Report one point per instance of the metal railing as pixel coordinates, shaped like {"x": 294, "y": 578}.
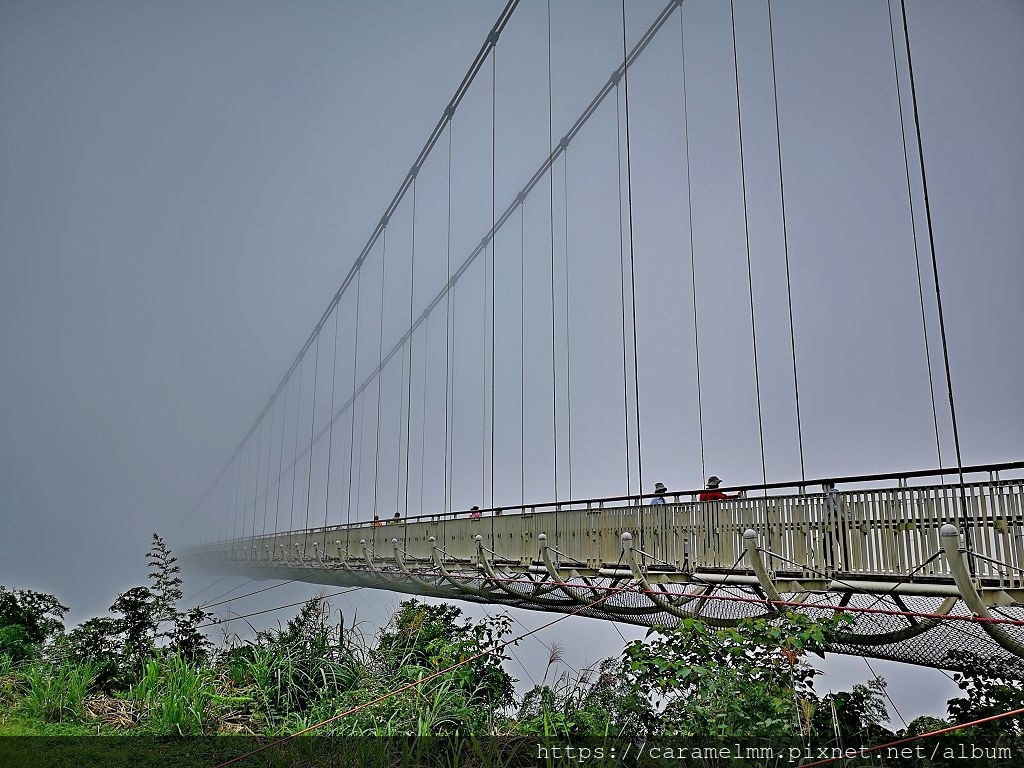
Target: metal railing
{"x": 890, "y": 530}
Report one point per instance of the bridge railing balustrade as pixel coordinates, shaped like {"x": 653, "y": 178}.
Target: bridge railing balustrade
{"x": 890, "y": 530}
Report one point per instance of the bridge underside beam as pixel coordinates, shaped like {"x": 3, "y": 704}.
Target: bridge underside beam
{"x": 639, "y": 592}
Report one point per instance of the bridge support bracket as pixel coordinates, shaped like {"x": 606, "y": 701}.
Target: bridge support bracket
{"x": 405, "y": 569}
{"x": 460, "y": 586}
{"x": 760, "y": 569}
{"x": 662, "y": 603}
{"x": 949, "y": 534}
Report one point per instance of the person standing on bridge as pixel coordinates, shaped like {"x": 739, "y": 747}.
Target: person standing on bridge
{"x": 474, "y": 513}
{"x": 661, "y": 490}
{"x": 396, "y": 520}
{"x": 834, "y": 506}
{"x": 711, "y": 493}
{"x": 835, "y": 527}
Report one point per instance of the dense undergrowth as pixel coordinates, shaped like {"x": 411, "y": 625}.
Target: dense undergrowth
{"x": 429, "y": 678}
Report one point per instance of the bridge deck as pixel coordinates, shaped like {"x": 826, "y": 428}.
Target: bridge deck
{"x": 886, "y": 552}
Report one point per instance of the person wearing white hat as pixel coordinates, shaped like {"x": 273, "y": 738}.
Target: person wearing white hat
{"x": 711, "y": 493}
{"x": 661, "y": 490}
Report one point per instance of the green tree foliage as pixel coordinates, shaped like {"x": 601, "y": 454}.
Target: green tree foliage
{"x": 186, "y": 639}
{"x": 421, "y": 641}
{"x": 853, "y": 718}
{"x": 28, "y": 620}
{"x": 988, "y": 691}
{"x": 427, "y": 638}
{"x": 96, "y": 642}
{"x": 747, "y": 682}
{"x": 165, "y": 578}
{"x": 137, "y": 624}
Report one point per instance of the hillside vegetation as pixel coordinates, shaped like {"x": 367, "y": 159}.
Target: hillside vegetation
{"x": 431, "y": 688}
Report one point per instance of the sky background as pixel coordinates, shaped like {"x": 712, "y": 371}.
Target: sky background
{"x": 183, "y": 187}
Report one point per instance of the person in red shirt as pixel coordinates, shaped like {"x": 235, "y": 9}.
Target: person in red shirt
{"x": 712, "y": 493}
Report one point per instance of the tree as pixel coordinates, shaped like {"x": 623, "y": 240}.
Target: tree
{"x": 164, "y": 573}
{"x": 137, "y": 624}
{"x": 186, "y": 639}
{"x": 28, "y": 620}
{"x": 431, "y": 637}
{"x": 988, "y": 690}
{"x": 96, "y": 642}
{"x": 747, "y": 682}
{"x": 853, "y": 718}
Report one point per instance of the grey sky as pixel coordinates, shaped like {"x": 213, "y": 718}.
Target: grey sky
{"x": 183, "y": 186}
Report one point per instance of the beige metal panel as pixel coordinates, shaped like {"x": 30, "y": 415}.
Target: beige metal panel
{"x": 884, "y": 531}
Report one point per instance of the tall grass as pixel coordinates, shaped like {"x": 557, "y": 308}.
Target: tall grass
{"x": 291, "y": 676}
{"x": 55, "y": 692}
{"x": 179, "y": 696}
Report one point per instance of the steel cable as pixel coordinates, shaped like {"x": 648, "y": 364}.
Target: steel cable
{"x": 689, "y": 223}
{"x": 965, "y": 525}
{"x": 785, "y": 249}
{"x": 746, "y": 236}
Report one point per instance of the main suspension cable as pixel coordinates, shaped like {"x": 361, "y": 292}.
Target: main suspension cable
{"x": 449, "y": 112}
{"x": 538, "y": 176}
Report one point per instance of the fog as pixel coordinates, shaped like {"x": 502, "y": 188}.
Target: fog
{"x": 183, "y": 187}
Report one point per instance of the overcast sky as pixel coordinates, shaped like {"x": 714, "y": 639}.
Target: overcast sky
{"x": 184, "y": 185}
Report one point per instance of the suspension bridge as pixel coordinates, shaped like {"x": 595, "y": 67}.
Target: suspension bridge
{"x": 424, "y": 438}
